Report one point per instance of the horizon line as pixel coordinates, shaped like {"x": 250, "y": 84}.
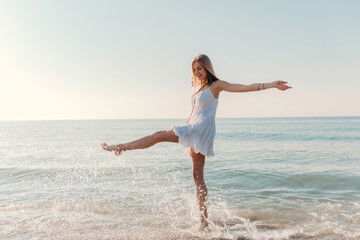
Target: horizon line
{"x": 96, "y": 119}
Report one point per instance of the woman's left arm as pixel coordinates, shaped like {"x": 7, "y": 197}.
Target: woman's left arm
{"x": 235, "y": 87}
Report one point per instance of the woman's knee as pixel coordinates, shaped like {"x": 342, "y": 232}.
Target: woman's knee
{"x": 166, "y": 136}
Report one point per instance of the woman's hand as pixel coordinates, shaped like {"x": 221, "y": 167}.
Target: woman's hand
{"x": 281, "y": 85}
{"x": 112, "y": 148}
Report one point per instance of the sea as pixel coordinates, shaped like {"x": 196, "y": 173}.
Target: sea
{"x": 270, "y": 178}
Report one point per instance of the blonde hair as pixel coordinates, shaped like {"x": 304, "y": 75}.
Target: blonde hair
{"x": 206, "y": 63}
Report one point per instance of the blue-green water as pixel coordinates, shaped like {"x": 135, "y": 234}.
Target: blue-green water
{"x": 270, "y": 178}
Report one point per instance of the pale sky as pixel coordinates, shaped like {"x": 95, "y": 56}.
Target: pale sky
{"x": 131, "y": 59}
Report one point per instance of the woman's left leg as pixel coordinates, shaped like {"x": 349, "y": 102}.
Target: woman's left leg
{"x": 198, "y": 161}
{"x": 144, "y": 142}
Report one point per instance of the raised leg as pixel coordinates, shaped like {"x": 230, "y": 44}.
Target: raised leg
{"x": 198, "y": 163}
{"x": 144, "y": 142}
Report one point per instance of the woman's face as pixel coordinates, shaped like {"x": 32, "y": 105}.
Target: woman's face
{"x": 199, "y": 71}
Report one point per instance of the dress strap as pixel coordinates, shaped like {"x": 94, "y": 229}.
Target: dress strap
{"x": 212, "y": 83}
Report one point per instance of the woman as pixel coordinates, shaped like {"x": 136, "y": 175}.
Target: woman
{"x": 198, "y": 134}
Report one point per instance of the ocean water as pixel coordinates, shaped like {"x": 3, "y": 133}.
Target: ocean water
{"x": 270, "y": 178}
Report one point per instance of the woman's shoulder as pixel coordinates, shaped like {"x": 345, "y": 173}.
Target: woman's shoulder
{"x": 221, "y": 84}
{"x": 217, "y": 84}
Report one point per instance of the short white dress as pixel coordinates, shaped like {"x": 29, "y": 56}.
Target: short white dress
{"x": 200, "y": 131}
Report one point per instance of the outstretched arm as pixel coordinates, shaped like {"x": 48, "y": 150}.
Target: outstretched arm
{"x": 235, "y": 87}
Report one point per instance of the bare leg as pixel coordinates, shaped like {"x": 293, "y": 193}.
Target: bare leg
{"x": 198, "y": 161}
{"x": 144, "y": 142}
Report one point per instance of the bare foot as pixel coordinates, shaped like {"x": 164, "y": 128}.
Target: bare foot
{"x": 204, "y": 226}
{"x": 112, "y": 148}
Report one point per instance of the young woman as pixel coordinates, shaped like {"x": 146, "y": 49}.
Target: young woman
{"x": 198, "y": 134}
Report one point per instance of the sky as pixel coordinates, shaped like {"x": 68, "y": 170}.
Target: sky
{"x": 88, "y": 59}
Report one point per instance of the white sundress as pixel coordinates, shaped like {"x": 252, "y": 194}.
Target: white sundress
{"x": 199, "y": 133}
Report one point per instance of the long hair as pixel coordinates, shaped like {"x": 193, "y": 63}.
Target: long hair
{"x": 207, "y": 65}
